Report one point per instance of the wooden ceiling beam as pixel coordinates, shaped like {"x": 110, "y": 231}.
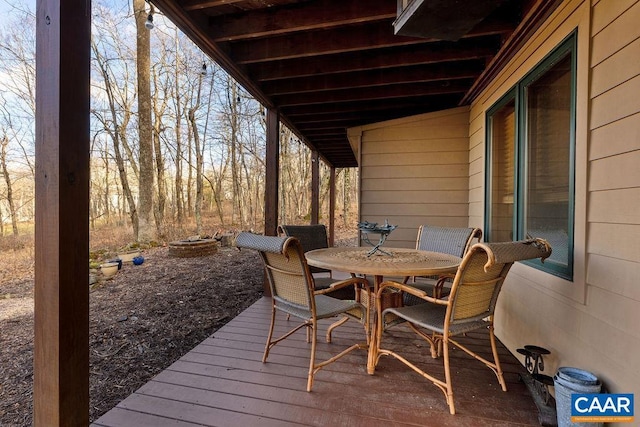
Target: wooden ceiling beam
{"x": 334, "y": 118}
{"x": 325, "y": 132}
{"x": 355, "y": 118}
{"x": 321, "y": 14}
{"x": 329, "y": 150}
{"x": 330, "y": 141}
{"x": 207, "y": 4}
{"x": 306, "y": 124}
{"x": 377, "y": 77}
{"x": 376, "y": 93}
{"x": 319, "y": 42}
{"x": 366, "y": 107}
{"x": 343, "y": 39}
{"x": 426, "y": 53}
{"x": 338, "y": 151}
{"x": 345, "y": 117}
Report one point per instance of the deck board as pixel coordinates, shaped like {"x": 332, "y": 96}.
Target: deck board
{"x": 223, "y": 382}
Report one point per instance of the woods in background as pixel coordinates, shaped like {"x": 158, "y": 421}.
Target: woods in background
{"x": 173, "y": 137}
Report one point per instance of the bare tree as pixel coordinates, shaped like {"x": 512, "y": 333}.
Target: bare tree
{"x": 115, "y": 120}
{"x": 159, "y": 109}
{"x": 232, "y": 122}
{"x": 199, "y": 155}
{"x": 7, "y": 179}
{"x": 179, "y": 194}
{"x": 17, "y": 110}
{"x": 146, "y": 226}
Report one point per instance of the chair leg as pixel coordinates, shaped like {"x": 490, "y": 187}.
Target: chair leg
{"x": 496, "y": 359}
{"x": 447, "y": 376}
{"x": 312, "y": 362}
{"x": 270, "y": 335}
{"x": 335, "y": 325}
{"x": 435, "y": 340}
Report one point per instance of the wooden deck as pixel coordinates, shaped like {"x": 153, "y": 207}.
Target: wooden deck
{"x": 222, "y": 382}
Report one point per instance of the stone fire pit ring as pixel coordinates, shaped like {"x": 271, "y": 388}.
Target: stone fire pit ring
{"x": 193, "y": 248}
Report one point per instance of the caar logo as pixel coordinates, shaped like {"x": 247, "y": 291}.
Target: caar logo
{"x": 602, "y": 408}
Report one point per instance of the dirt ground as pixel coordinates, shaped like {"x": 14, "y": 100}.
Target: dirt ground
{"x": 141, "y": 321}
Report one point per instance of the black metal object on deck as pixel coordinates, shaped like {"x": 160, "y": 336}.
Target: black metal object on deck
{"x": 538, "y": 384}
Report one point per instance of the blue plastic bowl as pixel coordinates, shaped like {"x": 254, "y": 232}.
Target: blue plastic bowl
{"x": 138, "y": 260}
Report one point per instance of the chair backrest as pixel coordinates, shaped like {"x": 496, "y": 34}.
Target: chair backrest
{"x": 449, "y": 240}
{"x": 310, "y": 236}
{"x": 287, "y": 271}
{"x": 479, "y": 278}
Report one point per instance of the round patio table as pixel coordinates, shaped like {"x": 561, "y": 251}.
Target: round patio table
{"x": 397, "y": 262}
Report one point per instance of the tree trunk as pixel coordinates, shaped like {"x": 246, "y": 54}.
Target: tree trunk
{"x": 189, "y": 175}
{"x": 179, "y": 194}
{"x": 232, "y": 95}
{"x": 199, "y": 161}
{"x": 7, "y": 180}
{"x": 346, "y": 192}
{"x": 107, "y": 200}
{"x": 159, "y": 107}
{"x": 216, "y": 185}
{"x": 146, "y": 227}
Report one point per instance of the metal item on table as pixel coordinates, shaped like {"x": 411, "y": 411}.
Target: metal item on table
{"x": 373, "y": 228}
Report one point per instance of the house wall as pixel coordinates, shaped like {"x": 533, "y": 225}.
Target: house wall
{"x": 414, "y": 171}
{"x": 592, "y": 321}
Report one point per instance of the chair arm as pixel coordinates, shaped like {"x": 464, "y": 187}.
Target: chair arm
{"x": 410, "y": 290}
{"x": 437, "y": 288}
{"x": 357, "y": 282}
{"x": 347, "y": 282}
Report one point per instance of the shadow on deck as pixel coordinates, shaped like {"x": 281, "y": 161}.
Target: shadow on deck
{"x": 222, "y": 382}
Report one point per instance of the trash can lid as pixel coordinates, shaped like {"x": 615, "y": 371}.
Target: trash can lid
{"x": 576, "y": 375}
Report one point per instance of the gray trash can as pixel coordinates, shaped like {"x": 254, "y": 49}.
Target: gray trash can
{"x": 568, "y": 381}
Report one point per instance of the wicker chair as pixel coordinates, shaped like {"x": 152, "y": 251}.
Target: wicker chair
{"x": 311, "y": 237}
{"x": 470, "y": 306}
{"x": 449, "y": 240}
{"x": 292, "y": 290}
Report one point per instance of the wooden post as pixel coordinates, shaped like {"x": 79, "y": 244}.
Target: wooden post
{"x": 272, "y": 178}
{"x": 272, "y": 173}
{"x": 332, "y": 206}
{"x": 315, "y": 187}
{"x": 61, "y": 342}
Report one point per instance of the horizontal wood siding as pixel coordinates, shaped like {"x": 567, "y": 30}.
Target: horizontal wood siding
{"x": 416, "y": 171}
{"x": 592, "y": 321}
{"x": 614, "y": 188}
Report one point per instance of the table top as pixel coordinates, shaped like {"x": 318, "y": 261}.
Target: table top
{"x": 402, "y": 262}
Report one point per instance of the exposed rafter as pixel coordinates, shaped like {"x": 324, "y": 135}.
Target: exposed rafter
{"x": 319, "y": 15}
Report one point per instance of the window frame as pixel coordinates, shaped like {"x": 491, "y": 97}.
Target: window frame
{"x": 518, "y": 94}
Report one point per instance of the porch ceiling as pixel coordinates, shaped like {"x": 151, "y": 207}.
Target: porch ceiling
{"x": 328, "y": 65}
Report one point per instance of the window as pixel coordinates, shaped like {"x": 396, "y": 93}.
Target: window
{"x": 530, "y": 160}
